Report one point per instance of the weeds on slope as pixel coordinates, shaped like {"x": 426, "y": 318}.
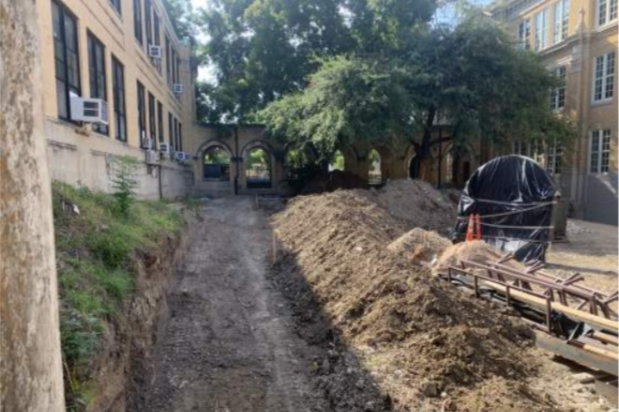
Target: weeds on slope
{"x": 95, "y": 242}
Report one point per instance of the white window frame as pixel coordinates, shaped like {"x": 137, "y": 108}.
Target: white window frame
{"x": 608, "y": 15}
{"x": 554, "y": 159}
{"x": 607, "y": 77}
{"x": 541, "y": 30}
{"x": 557, "y": 94}
{"x": 561, "y": 22}
{"x": 524, "y": 34}
{"x": 600, "y": 139}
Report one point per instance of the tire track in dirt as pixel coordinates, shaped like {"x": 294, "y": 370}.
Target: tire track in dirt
{"x": 229, "y": 343}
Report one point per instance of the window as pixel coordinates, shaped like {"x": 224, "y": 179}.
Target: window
{"x": 148, "y": 15}
{"x": 176, "y": 145}
{"x": 142, "y": 116}
{"x": 606, "y": 11}
{"x": 557, "y": 95}
{"x": 524, "y": 34}
{"x": 521, "y": 148}
{"x": 541, "y": 30}
{"x": 152, "y": 121}
{"x": 157, "y": 39}
{"x": 171, "y": 131}
{"x": 555, "y": 155}
{"x": 98, "y": 81}
{"x": 160, "y": 122}
{"x": 116, "y": 5}
{"x": 599, "y": 151}
{"x": 604, "y": 77}
{"x": 180, "y": 136}
{"x": 561, "y": 20}
{"x": 168, "y": 66}
{"x": 137, "y": 21}
{"x": 66, "y": 58}
{"x": 120, "y": 116}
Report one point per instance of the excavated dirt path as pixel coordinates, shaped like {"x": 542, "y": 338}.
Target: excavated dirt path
{"x": 229, "y": 344}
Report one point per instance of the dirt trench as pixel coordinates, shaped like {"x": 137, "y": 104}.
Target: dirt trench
{"x": 229, "y": 344}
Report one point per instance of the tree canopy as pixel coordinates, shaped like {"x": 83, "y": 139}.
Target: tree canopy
{"x": 334, "y": 72}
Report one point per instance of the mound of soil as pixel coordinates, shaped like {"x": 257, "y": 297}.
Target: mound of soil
{"x": 419, "y": 204}
{"x": 329, "y": 182}
{"x": 417, "y": 338}
{"x": 419, "y": 245}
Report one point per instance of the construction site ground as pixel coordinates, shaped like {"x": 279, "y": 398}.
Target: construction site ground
{"x": 324, "y": 317}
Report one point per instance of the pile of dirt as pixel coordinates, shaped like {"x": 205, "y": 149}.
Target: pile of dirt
{"x": 419, "y": 339}
{"x": 329, "y": 182}
{"x": 475, "y": 251}
{"x": 419, "y": 204}
{"x": 419, "y": 246}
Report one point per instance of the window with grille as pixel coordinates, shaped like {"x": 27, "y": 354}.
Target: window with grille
{"x": 98, "y": 80}
{"x": 606, "y": 12}
{"x": 604, "y": 77}
{"x": 599, "y": 151}
{"x": 118, "y": 83}
{"x": 66, "y": 56}
{"x": 524, "y": 34}
{"x": 541, "y": 30}
{"x": 557, "y": 94}
{"x": 561, "y": 20}
{"x": 554, "y": 161}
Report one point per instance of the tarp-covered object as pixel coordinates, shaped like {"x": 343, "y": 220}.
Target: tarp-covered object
{"x": 514, "y": 197}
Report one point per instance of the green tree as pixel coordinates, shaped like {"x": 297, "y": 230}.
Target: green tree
{"x": 470, "y": 78}
{"x": 264, "y": 49}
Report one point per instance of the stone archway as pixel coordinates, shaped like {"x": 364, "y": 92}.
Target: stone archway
{"x": 258, "y": 165}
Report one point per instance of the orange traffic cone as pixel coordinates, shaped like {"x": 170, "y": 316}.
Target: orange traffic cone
{"x": 470, "y": 235}
{"x": 478, "y": 218}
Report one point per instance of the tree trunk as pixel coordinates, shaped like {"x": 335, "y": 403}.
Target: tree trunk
{"x": 30, "y": 357}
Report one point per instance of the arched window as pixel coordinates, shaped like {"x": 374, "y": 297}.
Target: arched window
{"x": 375, "y": 176}
{"x": 216, "y": 164}
{"x": 338, "y": 161}
{"x": 258, "y": 169}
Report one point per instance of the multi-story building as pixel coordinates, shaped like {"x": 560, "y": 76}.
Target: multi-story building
{"x": 577, "y": 40}
{"x": 126, "y": 54}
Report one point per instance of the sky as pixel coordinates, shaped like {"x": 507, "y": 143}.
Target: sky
{"x": 445, "y": 14}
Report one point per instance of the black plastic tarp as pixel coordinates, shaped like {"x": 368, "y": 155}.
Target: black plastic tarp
{"x": 514, "y": 197}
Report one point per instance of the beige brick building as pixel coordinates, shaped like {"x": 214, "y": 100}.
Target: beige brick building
{"x": 578, "y": 41}
{"x": 100, "y": 49}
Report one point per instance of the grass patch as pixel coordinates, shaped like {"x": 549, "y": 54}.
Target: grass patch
{"x": 95, "y": 242}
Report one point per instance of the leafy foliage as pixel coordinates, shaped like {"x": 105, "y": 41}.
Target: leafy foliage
{"x": 125, "y": 182}
{"x": 469, "y": 78}
{"x": 94, "y": 245}
{"x": 264, "y": 49}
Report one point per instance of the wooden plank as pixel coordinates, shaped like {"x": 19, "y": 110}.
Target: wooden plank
{"x": 594, "y": 321}
{"x": 561, "y": 348}
{"x": 605, "y": 337}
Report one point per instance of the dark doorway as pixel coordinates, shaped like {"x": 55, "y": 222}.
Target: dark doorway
{"x": 413, "y": 168}
{"x": 216, "y": 164}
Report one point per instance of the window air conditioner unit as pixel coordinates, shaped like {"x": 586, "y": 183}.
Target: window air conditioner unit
{"x": 148, "y": 143}
{"x": 181, "y": 156}
{"x": 177, "y": 88}
{"x": 164, "y": 148}
{"x": 88, "y": 110}
{"x": 154, "y": 51}
{"x": 152, "y": 157}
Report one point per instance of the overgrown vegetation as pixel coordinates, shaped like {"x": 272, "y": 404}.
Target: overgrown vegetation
{"x": 95, "y": 241}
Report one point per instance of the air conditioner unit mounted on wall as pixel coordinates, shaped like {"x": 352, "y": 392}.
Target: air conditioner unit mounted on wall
{"x": 88, "y": 110}
{"x": 154, "y": 51}
{"x": 164, "y": 148}
{"x": 152, "y": 157}
{"x": 181, "y": 156}
{"x": 177, "y": 88}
